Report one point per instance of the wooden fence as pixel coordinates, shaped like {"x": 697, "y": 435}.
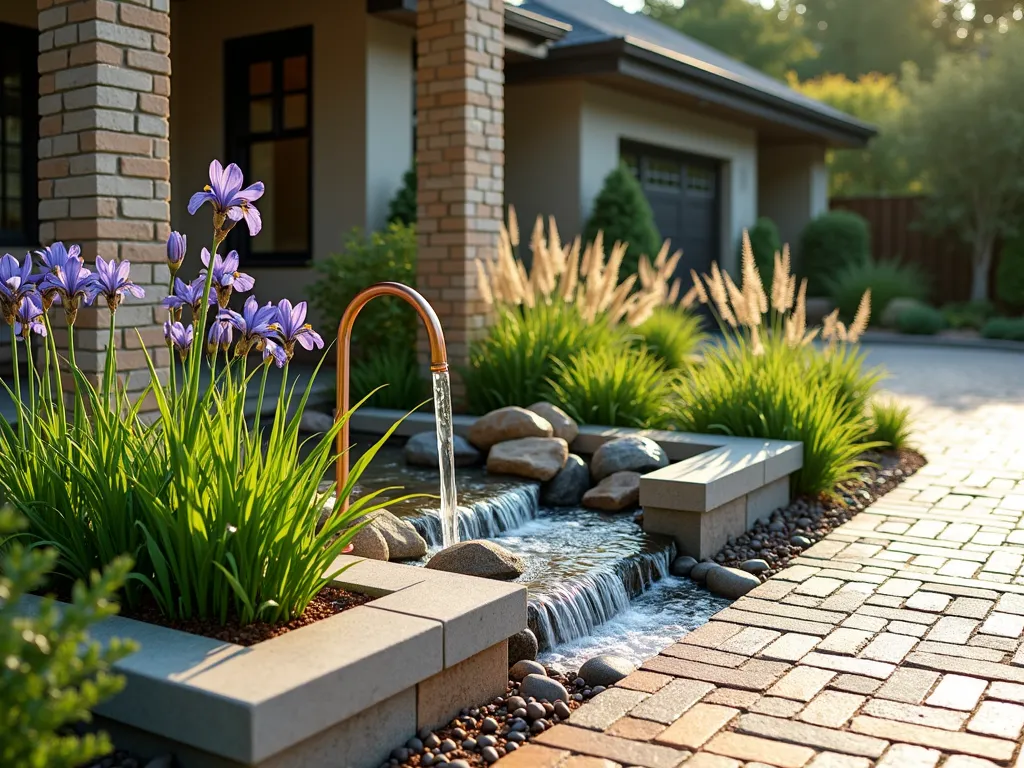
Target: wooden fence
{"x": 946, "y": 260}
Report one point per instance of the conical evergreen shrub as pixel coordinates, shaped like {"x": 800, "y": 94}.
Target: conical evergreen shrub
{"x": 622, "y": 212}
{"x": 402, "y": 208}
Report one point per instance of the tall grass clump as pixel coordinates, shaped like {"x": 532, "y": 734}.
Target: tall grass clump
{"x": 570, "y": 299}
{"x": 891, "y": 423}
{"x": 672, "y": 335}
{"x": 767, "y": 378}
{"x": 219, "y": 514}
{"x": 389, "y": 379}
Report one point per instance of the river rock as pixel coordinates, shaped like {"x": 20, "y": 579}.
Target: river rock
{"x": 522, "y": 646}
{"x": 682, "y": 566}
{"x": 731, "y": 582}
{"x": 543, "y": 687}
{"x": 538, "y": 458}
{"x": 316, "y": 421}
{"x": 509, "y": 423}
{"x": 614, "y": 493}
{"x": 756, "y": 565}
{"x": 421, "y": 451}
{"x": 371, "y": 544}
{"x": 566, "y": 489}
{"x": 699, "y": 573}
{"x": 525, "y": 667}
{"x": 478, "y": 558}
{"x": 404, "y": 541}
{"x": 627, "y": 454}
{"x": 605, "y": 670}
{"x": 562, "y": 423}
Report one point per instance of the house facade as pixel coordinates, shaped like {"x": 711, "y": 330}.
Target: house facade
{"x": 112, "y": 109}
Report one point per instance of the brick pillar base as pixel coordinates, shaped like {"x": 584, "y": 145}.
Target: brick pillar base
{"x": 460, "y": 156}
{"x": 104, "y": 169}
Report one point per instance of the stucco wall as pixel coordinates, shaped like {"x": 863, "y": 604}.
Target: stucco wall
{"x": 610, "y": 116}
{"x": 542, "y": 154}
{"x": 20, "y": 12}
{"x": 792, "y": 187}
{"x": 362, "y": 116}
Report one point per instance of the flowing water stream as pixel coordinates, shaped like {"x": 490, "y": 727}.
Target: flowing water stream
{"x": 446, "y": 457}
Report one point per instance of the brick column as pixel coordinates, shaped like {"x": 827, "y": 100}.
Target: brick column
{"x": 460, "y": 155}
{"x": 104, "y": 169}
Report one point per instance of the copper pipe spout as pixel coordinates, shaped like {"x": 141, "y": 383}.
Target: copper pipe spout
{"x": 438, "y": 362}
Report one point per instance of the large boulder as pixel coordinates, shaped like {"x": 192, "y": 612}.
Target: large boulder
{"x": 562, "y": 423}
{"x": 566, "y": 489}
{"x": 700, "y": 571}
{"x": 682, "y": 566}
{"x": 404, "y": 541}
{"x": 478, "y": 558}
{"x": 614, "y": 493}
{"x": 731, "y": 582}
{"x": 627, "y": 454}
{"x": 537, "y": 458}
{"x": 543, "y": 688}
{"x": 421, "y": 451}
{"x": 605, "y": 670}
{"x": 508, "y": 423}
{"x": 371, "y": 544}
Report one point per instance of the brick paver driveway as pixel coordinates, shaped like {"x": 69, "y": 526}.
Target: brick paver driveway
{"x": 893, "y": 642}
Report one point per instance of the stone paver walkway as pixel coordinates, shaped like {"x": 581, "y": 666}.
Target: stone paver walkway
{"x": 894, "y": 642}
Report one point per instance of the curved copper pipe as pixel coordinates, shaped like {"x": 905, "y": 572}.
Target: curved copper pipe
{"x": 438, "y": 360}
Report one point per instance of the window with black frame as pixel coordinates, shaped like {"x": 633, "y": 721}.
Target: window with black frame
{"x": 269, "y": 100}
{"x": 18, "y": 117}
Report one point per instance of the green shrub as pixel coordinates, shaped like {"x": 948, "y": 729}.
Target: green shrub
{"x": 921, "y": 320}
{"x": 614, "y": 387}
{"x": 830, "y": 243}
{"x": 402, "y": 208}
{"x": 622, "y": 213}
{"x": 1007, "y": 328}
{"x": 364, "y": 260}
{"x": 672, "y": 335}
{"x": 887, "y": 280}
{"x": 1010, "y": 273}
{"x": 891, "y": 423}
{"x": 784, "y": 393}
{"x": 968, "y": 314}
{"x": 765, "y": 242}
{"x": 53, "y": 674}
{"x": 512, "y": 363}
{"x": 395, "y": 374}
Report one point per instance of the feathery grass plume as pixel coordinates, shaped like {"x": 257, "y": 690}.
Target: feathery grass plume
{"x": 698, "y": 287}
{"x": 753, "y": 287}
{"x": 860, "y": 320}
{"x": 783, "y": 283}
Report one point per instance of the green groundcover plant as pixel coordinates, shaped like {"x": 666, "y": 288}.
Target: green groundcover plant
{"x": 768, "y": 379}
{"x": 219, "y": 515}
{"x": 891, "y": 423}
{"x": 887, "y": 280}
{"x": 52, "y": 673}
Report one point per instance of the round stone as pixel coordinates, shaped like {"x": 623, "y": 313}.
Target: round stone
{"x": 448, "y": 746}
{"x": 478, "y": 558}
{"x": 562, "y": 710}
{"x": 800, "y": 541}
{"x": 469, "y": 744}
{"x": 432, "y": 741}
{"x": 416, "y": 745}
{"x": 509, "y": 423}
{"x": 543, "y": 687}
{"x": 511, "y": 746}
{"x": 682, "y": 566}
{"x": 700, "y": 571}
{"x": 486, "y": 740}
{"x": 401, "y": 753}
{"x": 522, "y": 646}
{"x": 605, "y": 670}
{"x": 627, "y": 454}
{"x": 490, "y": 755}
{"x": 754, "y": 566}
{"x": 458, "y": 764}
{"x": 566, "y": 489}
{"x": 421, "y": 451}
{"x": 523, "y": 668}
{"x": 458, "y": 733}
{"x": 516, "y": 737}
{"x": 535, "y": 711}
{"x": 514, "y": 703}
{"x": 370, "y": 544}
{"x": 731, "y": 583}
{"x": 490, "y": 725}
{"x": 562, "y": 423}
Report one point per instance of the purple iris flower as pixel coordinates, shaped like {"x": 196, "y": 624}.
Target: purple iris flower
{"x": 180, "y": 337}
{"x": 294, "y": 328}
{"x": 30, "y": 311}
{"x": 256, "y": 324}
{"x": 272, "y": 351}
{"x": 15, "y": 284}
{"x": 220, "y": 336}
{"x": 226, "y": 277}
{"x": 177, "y": 244}
{"x": 75, "y": 285}
{"x": 112, "y": 282}
{"x": 229, "y": 200}
{"x": 56, "y": 255}
{"x": 189, "y": 295}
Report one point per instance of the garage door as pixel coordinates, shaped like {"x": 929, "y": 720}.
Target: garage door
{"x": 683, "y": 191}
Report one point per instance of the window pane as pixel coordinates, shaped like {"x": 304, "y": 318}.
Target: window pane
{"x": 664, "y": 174}
{"x": 295, "y": 110}
{"x": 261, "y": 115}
{"x": 295, "y": 73}
{"x": 12, "y": 128}
{"x": 700, "y": 182}
{"x": 12, "y": 158}
{"x": 12, "y": 215}
{"x": 283, "y": 167}
{"x": 13, "y": 184}
{"x": 261, "y": 78}
{"x": 632, "y": 163}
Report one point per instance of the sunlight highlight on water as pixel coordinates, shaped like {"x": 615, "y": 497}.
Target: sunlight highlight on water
{"x": 446, "y": 458}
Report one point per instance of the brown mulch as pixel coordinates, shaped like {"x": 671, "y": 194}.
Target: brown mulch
{"x": 330, "y": 601}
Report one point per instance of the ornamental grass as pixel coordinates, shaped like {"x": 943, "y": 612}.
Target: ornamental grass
{"x": 220, "y": 515}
